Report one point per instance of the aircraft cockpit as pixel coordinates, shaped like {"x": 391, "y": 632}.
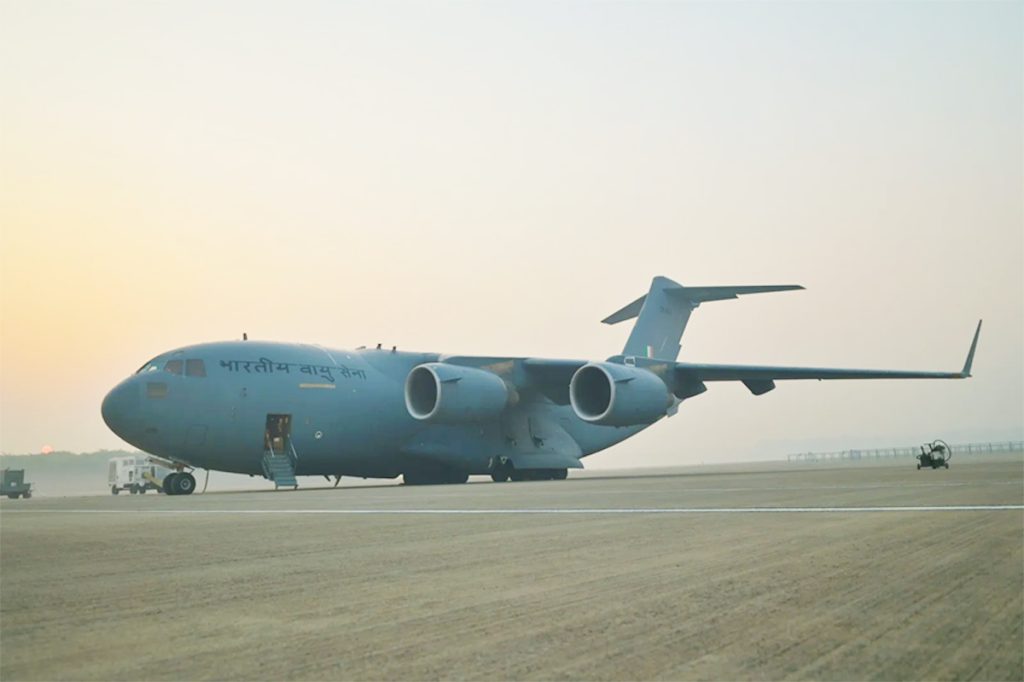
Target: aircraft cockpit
{"x": 150, "y": 366}
{"x": 190, "y": 367}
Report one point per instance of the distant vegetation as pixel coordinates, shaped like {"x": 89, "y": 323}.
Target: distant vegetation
{"x": 65, "y": 473}
{"x": 63, "y": 461}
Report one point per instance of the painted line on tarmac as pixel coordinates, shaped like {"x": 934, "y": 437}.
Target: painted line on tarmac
{"x": 483, "y": 512}
{"x": 803, "y": 488}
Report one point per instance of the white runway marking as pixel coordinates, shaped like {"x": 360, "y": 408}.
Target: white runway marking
{"x": 485, "y": 512}
{"x": 880, "y": 486}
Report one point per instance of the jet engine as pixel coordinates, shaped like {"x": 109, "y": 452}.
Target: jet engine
{"x": 618, "y": 395}
{"x": 451, "y": 394}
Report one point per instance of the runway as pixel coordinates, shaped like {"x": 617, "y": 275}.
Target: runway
{"x": 515, "y": 512}
{"x": 769, "y": 571}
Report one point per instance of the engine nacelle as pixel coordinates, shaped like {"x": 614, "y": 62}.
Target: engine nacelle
{"x": 450, "y": 394}
{"x": 618, "y": 395}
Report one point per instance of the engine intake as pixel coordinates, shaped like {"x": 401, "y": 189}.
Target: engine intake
{"x": 451, "y": 394}
{"x": 617, "y": 395}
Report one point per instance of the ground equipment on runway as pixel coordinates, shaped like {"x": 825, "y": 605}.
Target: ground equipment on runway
{"x": 935, "y": 455}
{"x": 13, "y": 485}
{"x": 135, "y": 474}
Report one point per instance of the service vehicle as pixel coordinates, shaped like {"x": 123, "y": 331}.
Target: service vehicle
{"x": 135, "y": 474}
{"x": 13, "y": 485}
{"x": 935, "y": 455}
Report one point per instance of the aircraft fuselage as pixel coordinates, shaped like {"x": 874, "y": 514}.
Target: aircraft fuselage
{"x": 207, "y": 406}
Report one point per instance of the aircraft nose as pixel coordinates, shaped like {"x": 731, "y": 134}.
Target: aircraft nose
{"x": 120, "y": 406}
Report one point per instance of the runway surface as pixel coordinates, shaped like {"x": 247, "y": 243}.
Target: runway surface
{"x": 777, "y": 572}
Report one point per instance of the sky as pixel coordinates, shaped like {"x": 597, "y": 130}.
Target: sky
{"x": 495, "y": 178}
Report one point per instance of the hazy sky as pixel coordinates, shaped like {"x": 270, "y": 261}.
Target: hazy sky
{"x": 495, "y": 178}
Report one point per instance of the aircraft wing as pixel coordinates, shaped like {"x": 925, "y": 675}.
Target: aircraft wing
{"x": 761, "y": 379}
{"x": 551, "y": 377}
{"x": 548, "y": 376}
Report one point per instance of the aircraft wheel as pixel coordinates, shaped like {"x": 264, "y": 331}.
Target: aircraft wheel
{"x": 559, "y": 474}
{"x": 436, "y": 477}
{"x": 499, "y": 476}
{"x": 142, "y": 491}
{"x": 113, "y": 490}
{"x": 186, "y": 484}
{"x": 27, "y": 495}
{"x": 171, "y": 484}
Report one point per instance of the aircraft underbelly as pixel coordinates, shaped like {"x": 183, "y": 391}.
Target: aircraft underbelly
{"x": 532, "y": 437}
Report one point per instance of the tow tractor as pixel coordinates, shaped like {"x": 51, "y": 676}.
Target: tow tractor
{"x": 935, "y": 455}
{"x": 13, "y": 485}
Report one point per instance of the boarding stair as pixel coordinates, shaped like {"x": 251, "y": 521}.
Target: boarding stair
{"x": 279, "y": 467}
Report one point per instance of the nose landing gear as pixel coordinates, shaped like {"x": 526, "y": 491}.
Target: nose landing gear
{"x": 179, "y": 483}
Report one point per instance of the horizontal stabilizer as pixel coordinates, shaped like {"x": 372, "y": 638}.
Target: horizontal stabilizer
{"x": 663, "y": 312}
{"x": 695, "y": 296}
{"x": 626, "y": 313}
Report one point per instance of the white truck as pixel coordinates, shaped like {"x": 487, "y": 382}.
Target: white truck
{"x": 136, "y": 474}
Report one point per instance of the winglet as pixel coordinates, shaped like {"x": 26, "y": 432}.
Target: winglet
{"x": 970, "y": 354}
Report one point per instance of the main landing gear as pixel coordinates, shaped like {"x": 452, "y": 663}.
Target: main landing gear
{"x": 434, "y": 477}
{"x": 179, "y": 483}
{"x": 503, "y": 470}
{"x": 529, "y": 475}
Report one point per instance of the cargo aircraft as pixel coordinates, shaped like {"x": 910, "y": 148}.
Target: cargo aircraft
{"x": 282, "y": 409}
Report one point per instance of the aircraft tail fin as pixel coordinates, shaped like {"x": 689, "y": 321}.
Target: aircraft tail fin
{"x": 663, "y": 312}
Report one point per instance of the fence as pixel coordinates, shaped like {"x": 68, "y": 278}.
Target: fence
{"x": 914, "y": 451}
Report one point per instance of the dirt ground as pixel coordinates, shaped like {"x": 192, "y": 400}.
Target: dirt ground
{"x": 267, "y": 585}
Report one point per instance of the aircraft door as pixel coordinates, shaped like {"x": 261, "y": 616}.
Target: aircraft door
{"x": 277, "y": 435}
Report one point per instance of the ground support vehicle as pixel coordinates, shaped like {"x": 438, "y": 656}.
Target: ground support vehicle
{"x": 935, "y": 455}
{"x": 135, "y": 474}
{"x": 13, "y": 485}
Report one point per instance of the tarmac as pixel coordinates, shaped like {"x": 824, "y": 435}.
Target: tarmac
{"x": 871, "y": 570}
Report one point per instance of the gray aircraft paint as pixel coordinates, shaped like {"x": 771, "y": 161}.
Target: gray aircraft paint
{"x": 356, "y": 425}
{"x": 349, "y": 414}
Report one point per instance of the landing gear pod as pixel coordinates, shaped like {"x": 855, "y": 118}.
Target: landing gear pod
{"x": 935, "y": 455}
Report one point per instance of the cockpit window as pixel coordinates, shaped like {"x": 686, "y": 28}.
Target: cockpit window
{"x": 173, "y": 366}
{"x": 195, "y": 368}
{"x": 150, "y": 366}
